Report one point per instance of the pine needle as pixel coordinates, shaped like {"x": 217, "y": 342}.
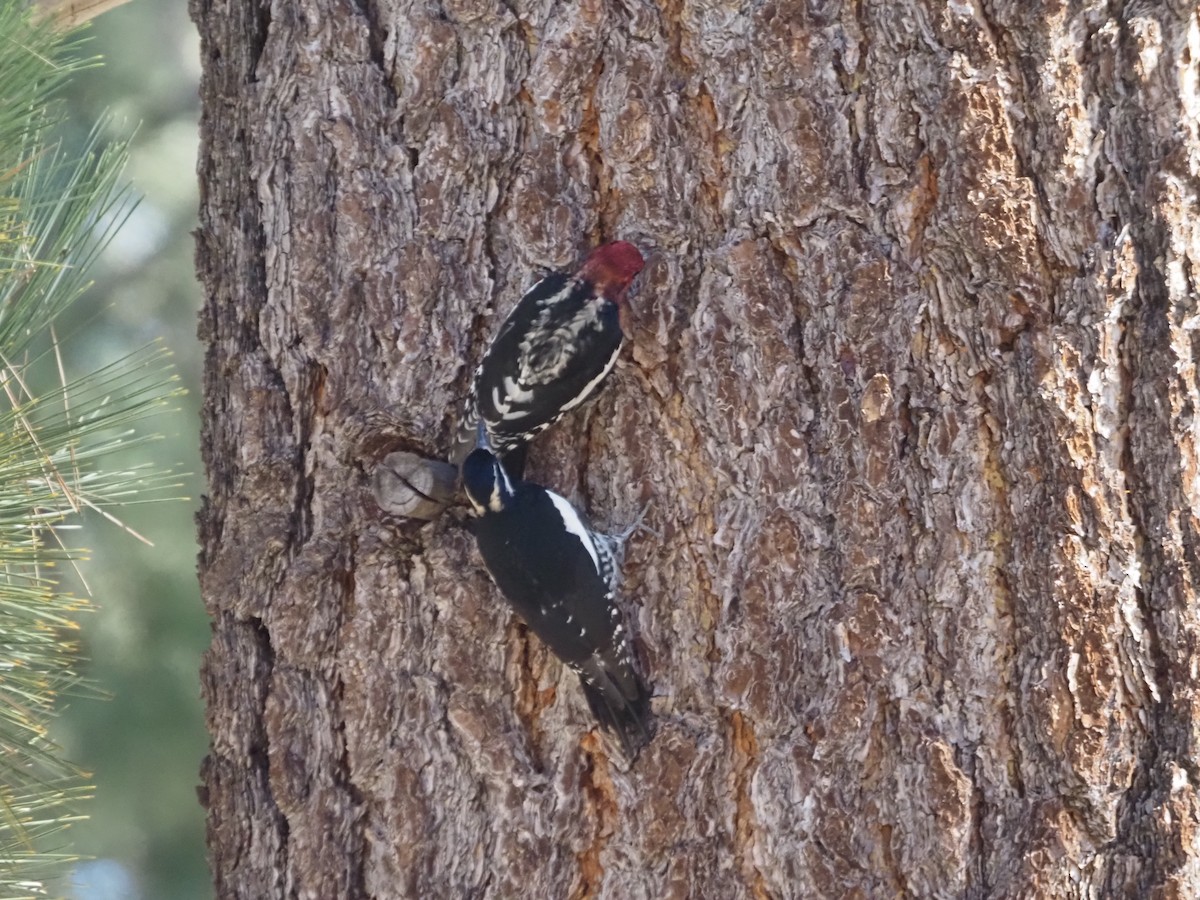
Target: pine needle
{"x": 58, "y": 436}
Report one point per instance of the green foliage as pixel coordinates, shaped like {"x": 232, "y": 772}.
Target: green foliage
{"x": 57, "y": 435}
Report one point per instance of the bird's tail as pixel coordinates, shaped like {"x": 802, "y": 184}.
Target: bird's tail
{"x": 620, "y": 702}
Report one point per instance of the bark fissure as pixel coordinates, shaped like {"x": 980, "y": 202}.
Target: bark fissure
{"x": 1145, "y": 854}
{"x": 377, "y": 30}
{"x": 589, "y": 140}
{"x": 529, "y": 702}
{"x": 745, "y": 825}
{"x": 602, "y": 811}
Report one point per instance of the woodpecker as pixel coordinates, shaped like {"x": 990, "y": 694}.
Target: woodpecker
{"x": 561, "y": 578}
{"x": 553, "y": 351}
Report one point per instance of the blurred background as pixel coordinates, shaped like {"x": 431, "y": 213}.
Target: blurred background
{"x": 142, "y": 737}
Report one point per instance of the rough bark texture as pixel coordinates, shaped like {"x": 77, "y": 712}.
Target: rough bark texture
{"x": 912, "y": 389}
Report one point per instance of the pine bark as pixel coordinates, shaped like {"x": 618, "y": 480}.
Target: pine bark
{"x": 911, "y": 388}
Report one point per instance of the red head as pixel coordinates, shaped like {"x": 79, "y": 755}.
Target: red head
{"x": 611, "y": 267}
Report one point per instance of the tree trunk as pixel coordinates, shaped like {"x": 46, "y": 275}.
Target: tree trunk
{"x": 912, "y": 392}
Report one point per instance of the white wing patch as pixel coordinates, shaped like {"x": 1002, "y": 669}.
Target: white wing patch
{"x": 574, "y": 525}
{"x": 545, "y": 360}
{"x": 514, "y": 392}
{"x": 591, "y": 385}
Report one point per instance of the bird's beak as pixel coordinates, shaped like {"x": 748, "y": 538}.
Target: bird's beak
{"x": 481, "y": 439}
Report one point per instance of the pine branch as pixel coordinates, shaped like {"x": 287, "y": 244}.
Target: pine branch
{"x": 58, "y": 435}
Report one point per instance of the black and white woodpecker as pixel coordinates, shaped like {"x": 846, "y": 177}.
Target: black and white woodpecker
{"x": 553, "y": 352}
{"x": 561, "y": 578}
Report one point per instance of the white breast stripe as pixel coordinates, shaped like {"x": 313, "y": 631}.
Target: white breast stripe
{"x": 508, "y": 488}
{"x": 574, "y": 524}
{"x": 498, "y": 402}
{"x": 591, "y": 385}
